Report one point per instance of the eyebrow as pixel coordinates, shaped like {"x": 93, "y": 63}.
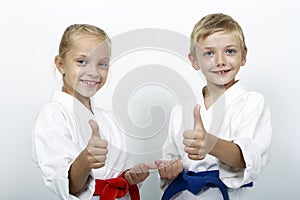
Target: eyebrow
{"x": 205, "y": 48}
{"x": 87, "y": 56}
{"x": 78, "y": 55}
{"x": 232, "y": 45}
{"x": 211, "y": 48}
{"x": 104, "y": 58}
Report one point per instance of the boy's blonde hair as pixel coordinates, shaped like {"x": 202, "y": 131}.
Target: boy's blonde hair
{"x": 77, "y": 31}
{"x": 213, "y": 23}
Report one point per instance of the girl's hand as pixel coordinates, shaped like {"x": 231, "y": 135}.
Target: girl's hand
{"x": 138, "y": 173}
{"x": 96, "y": 148}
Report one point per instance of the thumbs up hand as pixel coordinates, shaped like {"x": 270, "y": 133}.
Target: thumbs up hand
{"x": 194, "y": 139}
{"x": 96, "y": 148}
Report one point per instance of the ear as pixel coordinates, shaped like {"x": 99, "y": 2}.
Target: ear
{"x": 244, "y": 57}
{"x": 194, "y": 62}
{"x": 59, "y": 64}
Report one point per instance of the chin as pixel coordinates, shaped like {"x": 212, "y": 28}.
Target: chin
{"x": 87, "y": 94}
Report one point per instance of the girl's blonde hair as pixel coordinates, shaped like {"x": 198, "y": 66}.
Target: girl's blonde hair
{"x": 77, "y": 31}
{"x": 213, "y": 23}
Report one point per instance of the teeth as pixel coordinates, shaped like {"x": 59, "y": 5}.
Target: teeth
{"x": 222, "y": 72}
{"x": 90, "y": 82}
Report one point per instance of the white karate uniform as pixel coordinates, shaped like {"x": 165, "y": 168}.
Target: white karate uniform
{"x": 62, "y": 131}
{"x": 238, "y": 116}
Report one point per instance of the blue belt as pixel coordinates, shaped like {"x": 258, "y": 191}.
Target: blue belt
{"x": 194, "y": 182}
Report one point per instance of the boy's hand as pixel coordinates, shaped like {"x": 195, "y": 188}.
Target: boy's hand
{"x": 96, "y": 148}
{"x": 194, "y": 139}
{"x": 169, "y": 169}
{"x": 138, "y": 173}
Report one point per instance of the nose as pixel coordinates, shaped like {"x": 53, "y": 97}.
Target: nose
{"x": 220, "y": 60}
{"x": 93, "y": 71}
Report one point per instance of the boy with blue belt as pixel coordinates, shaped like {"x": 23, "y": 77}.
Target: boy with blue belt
{"x": 228, "y": 145}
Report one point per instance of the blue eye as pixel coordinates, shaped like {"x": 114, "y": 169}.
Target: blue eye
{"x": 103, "y": 65}
{"x": 82, "y": 62}
{"x": 230, "y": 51}
{"x": 208, "y": 53}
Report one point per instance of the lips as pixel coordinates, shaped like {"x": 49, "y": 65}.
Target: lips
{"x": 90, "y": 83}
{"x": 222, "y": 72}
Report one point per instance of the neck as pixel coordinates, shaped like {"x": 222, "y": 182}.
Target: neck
{"x": 212, "y": 92}
{"x": 84, "y": 100}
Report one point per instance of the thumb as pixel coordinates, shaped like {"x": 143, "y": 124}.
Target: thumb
{"x": 95, "y": 129}
{"x": 198, "y": 125}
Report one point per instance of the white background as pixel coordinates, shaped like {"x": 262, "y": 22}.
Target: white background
{"x": 30, "y": 34}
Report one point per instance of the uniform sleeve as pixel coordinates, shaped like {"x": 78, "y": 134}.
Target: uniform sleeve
{"x": 252, "y": 132}
{"x": 171, "y": 146}
{"x": 54, "y": 149}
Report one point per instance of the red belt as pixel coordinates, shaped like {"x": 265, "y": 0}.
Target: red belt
{"x": 113, "y": 188}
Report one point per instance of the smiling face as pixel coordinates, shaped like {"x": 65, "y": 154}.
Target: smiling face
{"x": 219, "y": 56}
{"x": 84, "y": 67}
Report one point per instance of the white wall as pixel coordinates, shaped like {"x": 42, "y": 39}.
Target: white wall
{"x": 30, "y": 33}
